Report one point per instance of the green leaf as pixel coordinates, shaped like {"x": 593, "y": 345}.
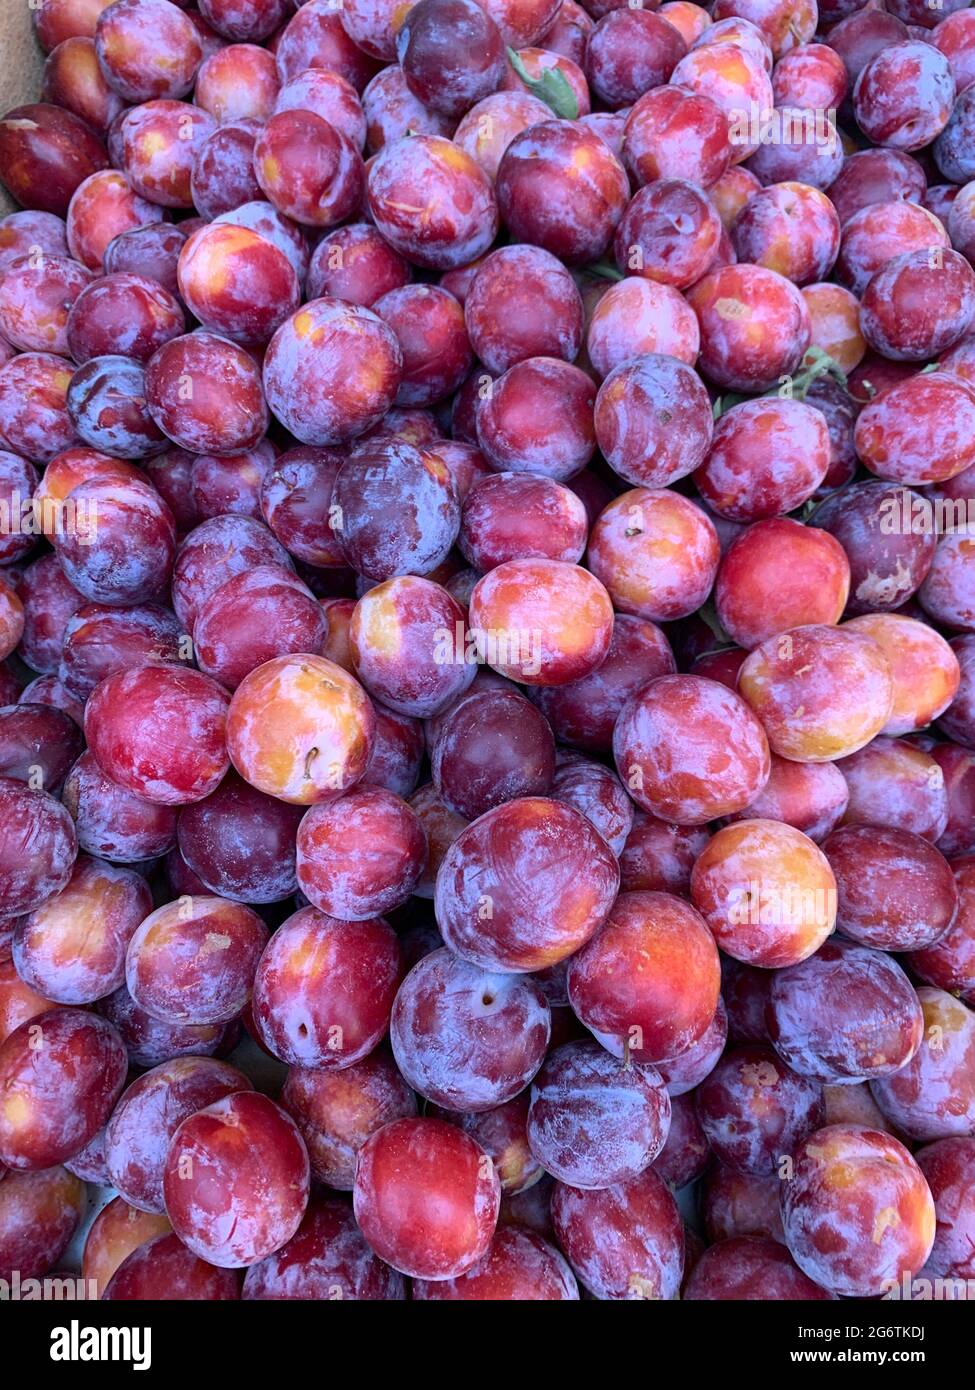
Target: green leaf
{"x": 605, "y": 271}
{"x": 709, "y": 615}
{"x": 552, "y": 88}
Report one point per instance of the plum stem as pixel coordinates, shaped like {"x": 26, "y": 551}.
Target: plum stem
{"x": 817, "y": 364}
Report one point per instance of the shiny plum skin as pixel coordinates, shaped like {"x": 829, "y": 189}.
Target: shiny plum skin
{"x": 112, "y": 822}
{"x": 789, "y": 228}
{"x": 155, "y": 761}
{"x": 523, "y": 303}
{"x": 223, "y": 169}
{"x": 754, "y": 326}
{"x": 735, "y": 1203}
{"x": 33, "y": 819}
{"x": 324, "y": 989}
{"x": 330, "y": 723}
{"x": 253, "y": 618}
{"x": 894, "y": 317}
{"x": 327, "y": 1258}
{"x": 542, "y": 622}
{"x": 623, "y": 1242}
{"x": 559, "y": 440}
{"x": 767, "y": 457}
{"x": 658, "y": 856}
{"x": 149, "y": 312}
{"x": 518, "y": 516}
{"x": 599, "y": 795}
{"x": 265, "y": 1188}
{"x": 754, "y": 1110}
{"x": 429, "y": 326}
{"x": 212, "y": 553}
{"x": 237, "y": 82}
{"x": 426, "y": 1198}
{"x": 451, "y": 54}
{"x": 561, "y": 165}
{"x": 360, "y": 856}
{"x": 949, "y": 963}
{"x": 61, "y": 1075}
{"x": 674, "y": 779}
{"x": 778, "y": 575}
{"x": 149, "y": 1040}
{"x": 122, "y": 551}
{"x": 669, "y": 232}
{"x": 105, "y": 206}
{"x": 34, "y": 418}
{"x": 148, "y": 1114}
{"x": 894, "y": 782}
{"x": 36, "y": 300}
{"x": 45, "y": 154}
{"x": 488, "y": 128}
{"x": 328, "y": 95}
{"x": 846, "y": 1014}
{"x": 750, "y": 1267}
{"x": 354, "y": 263}
{"x": 887, "y": 564}
{"x": 39, "y": 1213}
{"x": 241, "y": 842}
{"x": 792, "y": 683}
{"x": 880, "y": 1213}
{"x": 147, "y": 49}
{"x": 308, "y": 168}
{"x": 638, "y": 317}
{"x": 337, "y": 1111}
{"x": 116, "y": 1232}
{"x": 576, "y": 1125}
{"x": 658, "y": 1011}
{"x": 656, "y": 551}
{"x": 205, "y": 394}
{"x": 685, "y": 1155}
{"x": 925, "y": 92}
{"x": 193, "y": 961}
{"x": 310, "y": 375}
{"x": 520, "y": 1265}
{"x": 652, "y": 419}
{"x": 18, "y": 1002}
{"x": 236, "y": 283}
{"x": 165, "y": 1268}
{"x": 947, "y": 1167}
{"x": 766, "y": 891}
{"x": 461, "y": 215}
{"x": 522, "y": 760}
{"x": 933, "y": 1097}
{"x": 483, "y": 911}
{"x": 38, "y": 743}
{"x": 924, "y": 669}
{"x": 583, "y": 713}
{"x": 415, "y": 666}
{"x": 910, "y": 433}
{"x": 72, "y": 948}
{"x": 465, "y": 1039}
{"x": 397, "y": 510}
{"x": 895, "y": 891}
{"x": 673, "y": 133}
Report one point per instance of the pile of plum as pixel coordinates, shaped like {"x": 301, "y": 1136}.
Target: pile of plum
{"x": 487, "y": 650}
